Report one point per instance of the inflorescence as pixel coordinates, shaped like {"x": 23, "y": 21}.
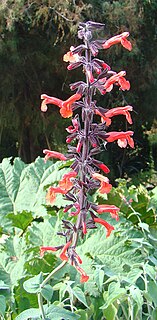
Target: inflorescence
{"x": 85, "y": 175}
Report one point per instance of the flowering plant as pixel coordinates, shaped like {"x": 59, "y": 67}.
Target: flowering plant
{"x": 87, "y": 173}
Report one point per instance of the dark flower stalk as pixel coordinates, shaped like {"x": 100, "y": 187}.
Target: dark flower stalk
{"x": 85, "y": 175}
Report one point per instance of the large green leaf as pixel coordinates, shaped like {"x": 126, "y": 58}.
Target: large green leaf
{"x": 52, "y": 312}
{"x": 115, "y": 252}
{"x": 12, "y": 260}
{"x": 2, "y": 305}
{"x": 32, "y": 313}
{"x": 23, "y": 186}
{"x": 57, "y": 313}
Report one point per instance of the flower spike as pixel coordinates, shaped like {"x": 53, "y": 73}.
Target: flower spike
{"x": 84, "y": 141}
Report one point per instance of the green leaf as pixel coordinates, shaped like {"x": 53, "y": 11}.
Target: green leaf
{"x": 12, "y": 260}
{"x": 114, "y": 293}
{"x": 154, "y": 314}
{"x": 99, "y": 278}
{"x": 20, "y": 220}
{"x": 110, "y": 312}
{"x": 32, "y": 313}
{"x": 47, "y": 292}
{"x": 57, "y": 313}
{"x": 133, "y": 275}
{"x": 32, "y": 285}
{"x": 83, "y": 314}
{"x": 2, "y": 305}
{"x": 136, "y": 295}
{"x": 23, "y": 186}
{"x": 152, "y": 291}
{"x": 79, "y": 294}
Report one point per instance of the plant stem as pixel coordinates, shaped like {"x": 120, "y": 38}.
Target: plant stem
{"x": 40, "y": 298}
{"x": 87, "y": 119}
{"x": 40, "y": 303}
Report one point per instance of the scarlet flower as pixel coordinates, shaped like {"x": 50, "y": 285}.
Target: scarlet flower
{"x": 53, "y": 154}
{"x": 63, "y": 255}
{"x": 78, "y": 258}
{"x": 104, "y": 168}
{"x": 70, "y": 57}
{"x": 120, "y": 110}
{"x": 106, "y": 225}
{"x": 105, "y": 185}
{"x": 51, "y": 194}
{"x": 113, "y": 210}
{"x": 66, "y": 183}
{"x": 43, "y": 249}
{"x": 114, "y": 112}
{"x": 117, "y": 79}
{"x": 122, "y": 138}
{"x": 121, "y": 38}
{"x": 84, "y": 277}
{"x": 65, "y": 106}
{"x": 101, "y": 166}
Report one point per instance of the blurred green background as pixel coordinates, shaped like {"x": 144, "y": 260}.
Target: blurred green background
{"x": 34, "y": 35}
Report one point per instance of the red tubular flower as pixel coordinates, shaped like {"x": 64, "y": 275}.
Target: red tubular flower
{"x": 79, "y": 259}
{"x": 103, "y": 118}
{"x": 84, "y": 277}
{"x": 49, "y": 100}
{"x": 106, "y": 66}
{"x": 119, "y": 111}
{"x": 114, "y": 112}
{"x": 122, "y": 138}
{"x": 105, "y": 185}
{"x": 65, "y": 106}
{"x": 43, "y": 249}
{"x": 106, "y": 225}
{"x": 113, "y": 210}
{"x": 70, "y": 57}
{"x": 117, "y": 79}
{"x": 53, "y": 154}
{"x": 121, "y": 38}
{"x": 51, "y": 194}
{"x": 66, "y": 110}
{"x": 66, "y": 183}
{"x": 101, "y": 166}
{"x": 64, "y": 250}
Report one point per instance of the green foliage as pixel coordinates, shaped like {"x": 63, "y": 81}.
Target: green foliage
{"x": 23, "y": 189}
{"x": 122, "y": 268}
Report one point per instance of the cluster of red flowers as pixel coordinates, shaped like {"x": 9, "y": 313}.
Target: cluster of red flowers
{"x": 84, "y": 175}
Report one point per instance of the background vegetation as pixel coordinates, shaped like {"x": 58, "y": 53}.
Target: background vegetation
{"x": 122, "y": 268}
{"x": 34, "y": 36}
